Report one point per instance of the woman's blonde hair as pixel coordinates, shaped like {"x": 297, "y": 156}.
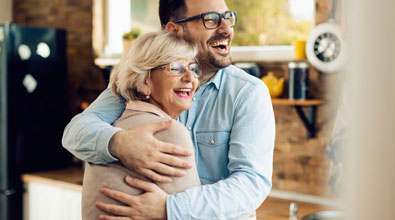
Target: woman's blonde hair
{"x": 147, "y": 52}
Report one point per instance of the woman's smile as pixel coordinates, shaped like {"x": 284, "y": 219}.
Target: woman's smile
{"x": 184, "y": 93}
{"x": 172, "y": 91}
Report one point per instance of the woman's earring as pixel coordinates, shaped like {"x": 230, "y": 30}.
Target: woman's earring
{"x": 147, "y": 97}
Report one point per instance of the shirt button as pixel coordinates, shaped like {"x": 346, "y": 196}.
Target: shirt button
{"x": 189, "y": 128}
{"x": 212, "y": 142}
{"x": 193, "y": 99}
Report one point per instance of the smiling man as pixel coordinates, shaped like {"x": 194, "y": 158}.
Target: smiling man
{"x": 231, "y": 123}
{"x": 207, "y": 30}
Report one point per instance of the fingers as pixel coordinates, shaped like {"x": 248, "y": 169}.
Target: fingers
{"x": 174, "y": 149}
{"x": 159, "y": 126}
{"x": 155, "y": 176}
{"x": 141, "y": 184}
{"x": 114, "y": 209}
{"x": 174, "y": 161}
{"x": 171, "y": 171}
{"x": 106, "y": 217}
{"x": 117, "y": 195}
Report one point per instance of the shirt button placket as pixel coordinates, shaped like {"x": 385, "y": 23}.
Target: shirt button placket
{"x": 191, "y": 116}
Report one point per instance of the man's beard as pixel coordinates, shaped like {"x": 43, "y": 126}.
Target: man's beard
{"x": 207, "y": 60}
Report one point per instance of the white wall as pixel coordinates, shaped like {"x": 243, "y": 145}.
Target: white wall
{"x": 5, "y": 10}
{"x": 370, "y": 167}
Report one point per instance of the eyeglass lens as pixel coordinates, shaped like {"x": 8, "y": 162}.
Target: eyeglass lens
{"x": 179, "y": 68}
{"x": 213, "y": 20}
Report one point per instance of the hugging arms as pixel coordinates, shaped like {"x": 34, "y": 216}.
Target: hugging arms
{"x": 230, "y": 122}
{"x": 235, "y": 170}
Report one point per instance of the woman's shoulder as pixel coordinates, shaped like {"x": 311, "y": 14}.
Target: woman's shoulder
{"x": 176, "y": 130}
{"x": 132, "y": 118}
{"x": 176, "y": 134}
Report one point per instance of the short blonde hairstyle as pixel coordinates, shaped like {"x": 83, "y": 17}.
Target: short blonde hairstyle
{"x": 147, "y": 52}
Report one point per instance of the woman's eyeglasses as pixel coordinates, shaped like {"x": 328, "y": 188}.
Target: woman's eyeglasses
{"x": 212, "y": 20}
{"x": 178, "y": 68}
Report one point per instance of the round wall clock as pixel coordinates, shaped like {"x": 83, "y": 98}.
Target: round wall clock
{"x": 324, "y": 47}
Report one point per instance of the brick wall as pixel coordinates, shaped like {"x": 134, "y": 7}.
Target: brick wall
{"x": 300, "y": 163}
{"x": 75, "y": 16}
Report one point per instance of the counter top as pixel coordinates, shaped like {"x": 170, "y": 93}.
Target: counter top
{"x": 272, "y": 209}
{"x": 70, "y": 178}
{"x": 278, "y": 209}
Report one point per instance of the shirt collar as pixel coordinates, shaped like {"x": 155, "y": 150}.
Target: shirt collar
{"x": 216, "y": 80}
{"x": 146, "y": 107}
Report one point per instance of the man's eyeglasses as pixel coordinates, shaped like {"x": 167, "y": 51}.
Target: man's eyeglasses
{"x": 178, "y": 69}
{"x": 212, "y": 20}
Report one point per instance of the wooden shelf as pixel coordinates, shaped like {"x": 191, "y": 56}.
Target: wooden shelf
{"x": 309, "y": 102}
{"x": 308, "y": 120}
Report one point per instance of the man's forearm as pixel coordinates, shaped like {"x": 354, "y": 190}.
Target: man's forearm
{"x": 88, "y": 134}
{"x": 233, "y": 198}
{"x": 87, "y": 138}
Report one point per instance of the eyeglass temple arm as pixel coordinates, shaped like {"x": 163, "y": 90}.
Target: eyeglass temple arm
{"x": 189, "y": 19}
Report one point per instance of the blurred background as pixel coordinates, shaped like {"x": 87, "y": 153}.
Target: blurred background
{"x": 345, "y": 64}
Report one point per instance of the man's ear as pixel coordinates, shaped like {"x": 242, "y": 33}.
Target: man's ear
{"x": 175, "y": 28}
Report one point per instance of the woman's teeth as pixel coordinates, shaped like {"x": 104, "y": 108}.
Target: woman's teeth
{"x": 183, "y": 92}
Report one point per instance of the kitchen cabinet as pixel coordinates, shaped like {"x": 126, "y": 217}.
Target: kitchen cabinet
{"x": 57, "y": 195}
{"x": 53, "y": 195}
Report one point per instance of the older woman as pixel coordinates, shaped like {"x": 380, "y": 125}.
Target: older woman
{"x": 157, "y": 77}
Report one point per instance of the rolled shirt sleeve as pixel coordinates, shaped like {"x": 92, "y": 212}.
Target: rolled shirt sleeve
{"x": 88, "y": 134}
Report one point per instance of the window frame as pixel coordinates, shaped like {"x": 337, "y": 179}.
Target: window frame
{"x": 238, "y": 53}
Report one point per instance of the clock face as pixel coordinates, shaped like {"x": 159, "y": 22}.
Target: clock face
{"x": 327, "y": 47}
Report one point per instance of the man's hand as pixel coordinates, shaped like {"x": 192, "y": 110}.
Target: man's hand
{"x": 141, "y": 152}
{"x": 149, "y": 205}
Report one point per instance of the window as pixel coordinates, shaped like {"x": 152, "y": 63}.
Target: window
{"x": 261, "y": 23}
{"x": 113, "y": 18}
{"x": 271, "y": 22}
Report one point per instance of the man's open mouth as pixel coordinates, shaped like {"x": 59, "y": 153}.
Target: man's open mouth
{"x": 220, "y": 46}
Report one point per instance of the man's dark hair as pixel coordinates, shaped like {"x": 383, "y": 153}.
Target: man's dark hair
{"x": 171, "y": 10}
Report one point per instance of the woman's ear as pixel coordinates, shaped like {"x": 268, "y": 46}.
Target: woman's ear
{"x": 146, "y": 86}
{"x": 175, "y": 28}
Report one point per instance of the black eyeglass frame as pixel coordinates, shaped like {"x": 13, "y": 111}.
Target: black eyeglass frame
{"x": 201, "y": 16}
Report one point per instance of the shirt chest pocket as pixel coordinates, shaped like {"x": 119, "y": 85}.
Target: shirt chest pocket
{"x": 212, "y": 153}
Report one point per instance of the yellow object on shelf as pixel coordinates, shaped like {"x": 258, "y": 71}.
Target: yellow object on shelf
{"x": 275, "y": 85}
{"x": 299, "y": 49}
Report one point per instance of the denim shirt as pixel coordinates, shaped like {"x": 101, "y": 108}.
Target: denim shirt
{"x": 231, "y": 123}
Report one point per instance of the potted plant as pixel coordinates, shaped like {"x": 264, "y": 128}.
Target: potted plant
{"x": 128, "y": 38}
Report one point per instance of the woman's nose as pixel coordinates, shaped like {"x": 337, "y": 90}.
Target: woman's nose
{"x": 188, "y": 75}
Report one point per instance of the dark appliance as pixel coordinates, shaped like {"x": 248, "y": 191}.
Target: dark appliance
{"x": 298, "y": 85}
{"x": 33, "y": 86}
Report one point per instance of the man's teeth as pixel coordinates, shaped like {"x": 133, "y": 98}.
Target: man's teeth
{"x": 220, "y": 43}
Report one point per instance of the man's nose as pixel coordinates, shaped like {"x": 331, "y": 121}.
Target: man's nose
{"x": 225, "y": 27}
